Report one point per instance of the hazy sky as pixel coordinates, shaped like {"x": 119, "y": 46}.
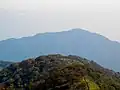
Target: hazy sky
{"x": 27, "y": 17}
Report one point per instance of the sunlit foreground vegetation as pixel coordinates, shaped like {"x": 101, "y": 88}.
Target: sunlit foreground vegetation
{"x": 57, "y": 72}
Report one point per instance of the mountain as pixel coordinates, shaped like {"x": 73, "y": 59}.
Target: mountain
{"x": 75, "y": 42}
{"x": 58, "y": 72}
{"x": 4, "y": 64}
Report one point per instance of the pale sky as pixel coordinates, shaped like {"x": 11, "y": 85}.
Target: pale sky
{"x": 20, "y": 18}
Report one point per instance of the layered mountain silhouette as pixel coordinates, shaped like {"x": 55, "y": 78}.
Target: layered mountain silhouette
{"x": 75, "y": 42}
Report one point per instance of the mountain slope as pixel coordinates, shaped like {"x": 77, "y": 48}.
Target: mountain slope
{"x": 4, "y": 64}
{"x": 76, "y": 42}
{"x": 58, "y": 72}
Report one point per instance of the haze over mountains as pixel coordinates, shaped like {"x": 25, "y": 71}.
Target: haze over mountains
{"x": 75, "y": 42}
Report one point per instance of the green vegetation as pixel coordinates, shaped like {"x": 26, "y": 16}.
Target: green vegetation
{"x": 57, "y": 72}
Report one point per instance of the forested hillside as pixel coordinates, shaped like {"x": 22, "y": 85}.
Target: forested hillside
{"x": 58, "y": 72}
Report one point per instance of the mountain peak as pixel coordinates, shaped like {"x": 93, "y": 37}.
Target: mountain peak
{"x": 75, "y": 41}
{"x": 78, "y": 30}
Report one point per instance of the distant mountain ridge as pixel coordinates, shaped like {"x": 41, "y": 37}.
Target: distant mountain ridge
{"x": 4, "y": 64}
{"x": 75, "y": 42}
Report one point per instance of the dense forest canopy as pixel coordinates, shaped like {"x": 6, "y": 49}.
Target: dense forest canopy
{"x": 58, "y": 72}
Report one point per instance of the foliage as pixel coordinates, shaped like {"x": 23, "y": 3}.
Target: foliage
{"x": 57, "y": 72}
